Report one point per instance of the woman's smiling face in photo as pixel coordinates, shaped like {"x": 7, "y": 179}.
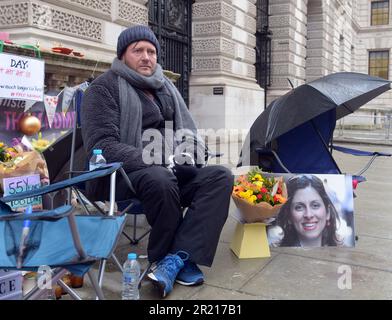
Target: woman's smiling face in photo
{"x": 309, "y": 216}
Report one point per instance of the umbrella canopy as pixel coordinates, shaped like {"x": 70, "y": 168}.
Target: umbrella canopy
{"x": 331, "y": 97}
{"x": 343, "y": 91}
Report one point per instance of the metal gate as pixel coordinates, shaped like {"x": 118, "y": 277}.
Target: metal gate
{"x": 171, "y": 21}
{"x": 263, "y": 47}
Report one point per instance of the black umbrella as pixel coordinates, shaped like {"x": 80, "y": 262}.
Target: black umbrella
{"x": 345, "y": 91}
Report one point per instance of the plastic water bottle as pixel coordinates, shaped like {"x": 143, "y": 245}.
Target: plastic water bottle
{"x": 44, "y": 283}
{"x": 131, "y": 275}
{"x": 97, "y": 160}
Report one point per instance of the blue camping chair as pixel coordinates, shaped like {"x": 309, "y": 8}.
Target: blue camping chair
{"x": 60, "y": 238}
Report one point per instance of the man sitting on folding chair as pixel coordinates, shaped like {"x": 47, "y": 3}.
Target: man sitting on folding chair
{"x": 122, "y": 111}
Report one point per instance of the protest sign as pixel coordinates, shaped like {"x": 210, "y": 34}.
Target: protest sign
{"x": 21, "y": 77}
{"x": 20, "y": 184}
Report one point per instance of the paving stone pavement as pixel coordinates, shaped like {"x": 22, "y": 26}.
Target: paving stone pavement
{"x": 295, "y": 273}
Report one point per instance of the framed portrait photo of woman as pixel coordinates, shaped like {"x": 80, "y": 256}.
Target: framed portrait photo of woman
{"x": 319, "y": 212}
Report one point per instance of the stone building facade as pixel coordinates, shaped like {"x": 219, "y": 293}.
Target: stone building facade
{"x": 310, "y": 38}
{"x": 313, "y": 38}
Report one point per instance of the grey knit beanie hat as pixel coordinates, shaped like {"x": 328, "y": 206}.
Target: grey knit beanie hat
{"x": 135, "y": 33}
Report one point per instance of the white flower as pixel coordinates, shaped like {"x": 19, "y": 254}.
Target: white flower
{"x": 275, "y": 235}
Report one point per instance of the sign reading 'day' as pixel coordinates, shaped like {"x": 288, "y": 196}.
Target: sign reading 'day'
{"x": 21, "y": 77}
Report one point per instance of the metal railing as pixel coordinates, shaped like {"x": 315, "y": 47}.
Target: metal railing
{"x": 365, "y": 127}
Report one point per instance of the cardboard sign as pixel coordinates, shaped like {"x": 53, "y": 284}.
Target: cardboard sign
{"x": 21, "y": 77}
{"x": 20, "y": 184}
{"x": 11, "y": 285}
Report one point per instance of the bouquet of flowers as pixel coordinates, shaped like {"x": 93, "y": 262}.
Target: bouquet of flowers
{"x": 259, "y": 197}
{"x": 9, "y": 155}
{"x": 17, "y": 161}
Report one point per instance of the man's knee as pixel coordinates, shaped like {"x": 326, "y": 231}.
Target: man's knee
{"x": 223, "y": 175}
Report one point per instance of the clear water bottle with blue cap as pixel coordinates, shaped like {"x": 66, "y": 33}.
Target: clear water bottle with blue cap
{"x": 97, "y": 160}
{"x": 131, "y": 275}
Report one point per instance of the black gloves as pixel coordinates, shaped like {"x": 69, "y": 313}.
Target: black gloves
{"x": 183, "y": 167}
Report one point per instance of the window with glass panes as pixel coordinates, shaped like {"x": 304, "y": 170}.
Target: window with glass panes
{"x": 380, "y": 13}
{"x": 379, "y": 63}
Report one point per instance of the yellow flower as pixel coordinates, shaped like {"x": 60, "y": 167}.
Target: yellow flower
{"x": 251, "y": 199}
{"x": 257, "y": 177}
{"x": 246, "y": 194}
{"x": 258, "y": 183}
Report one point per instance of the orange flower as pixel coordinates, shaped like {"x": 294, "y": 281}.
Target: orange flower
{"x": 237, "y": 189}
{"x": 280, "y": 199}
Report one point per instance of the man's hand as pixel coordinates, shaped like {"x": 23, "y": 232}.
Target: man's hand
{"x": 183, "y": 167}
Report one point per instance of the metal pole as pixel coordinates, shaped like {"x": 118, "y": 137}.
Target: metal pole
{"x": 95, "y": 285}
{"x": 71, "y": 163}
{"x": 112, "y": 193}
{"x": 388, "y": 131}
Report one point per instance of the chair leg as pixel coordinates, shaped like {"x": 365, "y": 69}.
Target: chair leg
{"x": 97, "y": 288}
{"x": 142, "y": 236}
{"x": 117, "y": 262}
{"x": 134, "y": 225}
{"x": 101, "y": 271}
{"x": 144, "y": 274}
{"x": 71, "y": 292}
{"x": 36, "y": 292}
{"x": 132, "y": 241}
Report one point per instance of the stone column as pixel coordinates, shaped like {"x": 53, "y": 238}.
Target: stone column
{"x": 223, "y": 89}
{"x": 330, "y": 38}
{"x": 287, "y": 21}
{"x": 320, "y": 46}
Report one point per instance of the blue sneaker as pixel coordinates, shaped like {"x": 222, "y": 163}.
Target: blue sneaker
{"x": 190, "y": 275}
{"x": 165, "y": 273}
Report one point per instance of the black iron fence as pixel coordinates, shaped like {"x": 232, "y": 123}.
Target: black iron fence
{"x": 171, "y": 20}
{"x": 263, "y": 46}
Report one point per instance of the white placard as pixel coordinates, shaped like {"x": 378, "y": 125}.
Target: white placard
{"x": 68, "y": 94}
{"x": 21, "y": 77}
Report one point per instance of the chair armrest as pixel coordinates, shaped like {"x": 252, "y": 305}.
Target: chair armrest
{"x": 76, "y": 172}
{"x": 214, "y": 155}
{"x": 97, "y": 173}
{"x": 356, "y": 152}
{"x": 360, "y": 153}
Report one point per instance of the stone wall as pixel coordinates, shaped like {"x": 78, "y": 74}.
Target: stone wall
{"x": 90, "y": 27}
{"x": 313, "y": 38}
{"x": 372, "y": 38}
{"x": 287, "y": 21}
{"x": 223, "y": 90}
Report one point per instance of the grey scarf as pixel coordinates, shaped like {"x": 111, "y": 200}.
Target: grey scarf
{"x": 131, "y": 106}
